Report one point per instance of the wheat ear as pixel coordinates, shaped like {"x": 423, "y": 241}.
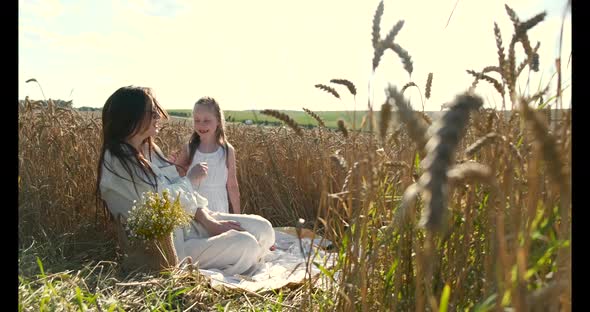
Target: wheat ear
{"x": 416, "y": 127}
{"x": 327, "y": 89}
{"x": 428, "y": 85}
{"x": 285, "y": 118}
{"x": 315, "y": 116}
{"x": 348, "y": 84}
{"x": 378, "y": 48}
{"x": 384, "y": 121}
{"x": 407, "y": 85}
{"x": 446, "y": 133}
{"x": 342, "y": 128}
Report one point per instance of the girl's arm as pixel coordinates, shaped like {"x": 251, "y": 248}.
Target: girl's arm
{"x": 232, "y": 180}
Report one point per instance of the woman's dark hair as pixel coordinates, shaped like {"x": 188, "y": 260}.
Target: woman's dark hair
{"x": 127, "y": 112}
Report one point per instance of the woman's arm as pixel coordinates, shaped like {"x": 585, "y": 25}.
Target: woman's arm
{"x": 233, "y": 189}
{"x": 215, "y": 227}
{"x": 182, "y": 162}
{"x": 116, "y": 187}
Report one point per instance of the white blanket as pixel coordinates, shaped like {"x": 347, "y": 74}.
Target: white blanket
{"x": 284, "y": 266}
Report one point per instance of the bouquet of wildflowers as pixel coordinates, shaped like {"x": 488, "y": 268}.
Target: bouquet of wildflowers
{"x": 153, "y": 220}
{"x": 156, "y": 216}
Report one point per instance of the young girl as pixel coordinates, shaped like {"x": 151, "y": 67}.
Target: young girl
{"x": 212, "y": 157}
{"x": 130, "y": 163}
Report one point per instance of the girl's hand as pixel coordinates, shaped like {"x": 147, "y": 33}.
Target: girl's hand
{"x": 218, "y": 227}
{"x": 198, "y": 172}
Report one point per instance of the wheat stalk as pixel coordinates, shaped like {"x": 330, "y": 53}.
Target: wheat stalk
{"x": 377, "y": 54}
{"x": 407, "y": 85}
{"x": 384, "y": 121}
{"x": 342, "y": 128}
{"x": 545, "y": 142}
{"x": 315, "y": 116}
{"x": 352, "y": 172}
{"x": 481, "y": 142}
{"x": 492, "y": 115}
{"x": 285, "y": 118}
{"x": 378, "y": 47}
{"x": 503, "y": 65}
{"x": 470, "y": 172}
{"x": 339, "y": 161}
{"x": 532, "y": 22}
{"x": 348, "y": 84}
{"x": 376, "y": 24}
{"x": 532, "y": 61}
{"x": 537, "y": 96}
{"x": 446, "y": 133}
{"x": 397, "y": 164}
{"x": 428, "y": 85}
{"x": 416, "y": 127}
{"x": 511, "y": 73}
{"x": 481, "y": 76}
{"x": 512, "y": 15}
{"x": 394, "y": 137}
{"x": 488, "y": 69}
{"x": 404, "y": 55}
{"x": 327, "y": 89}
{"x": 393, "y": 32}
{"x": 425, "y": 117}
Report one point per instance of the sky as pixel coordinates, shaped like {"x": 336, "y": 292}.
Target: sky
{"x": 264, "y": 54}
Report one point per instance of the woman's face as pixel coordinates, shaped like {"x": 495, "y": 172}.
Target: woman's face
{"x": 151, "y": 123}
{"x": 204, "y": 121}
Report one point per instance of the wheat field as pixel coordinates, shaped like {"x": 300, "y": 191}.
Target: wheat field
{"x": 470, "y": 211}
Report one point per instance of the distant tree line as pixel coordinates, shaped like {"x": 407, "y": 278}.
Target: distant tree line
{"x": 89, "y": 109}
{"x": 58, "y": 103}
{"x": 180, "y": 114}
{"x": 276, "y": 123}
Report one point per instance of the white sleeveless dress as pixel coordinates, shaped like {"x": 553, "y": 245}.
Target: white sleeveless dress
{"x": 213, "y": 186}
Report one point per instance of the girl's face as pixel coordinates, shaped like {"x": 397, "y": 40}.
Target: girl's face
{"x": 205, "y": 122}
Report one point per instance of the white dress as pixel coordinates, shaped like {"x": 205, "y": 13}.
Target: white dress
{"x": 213, "y": 186}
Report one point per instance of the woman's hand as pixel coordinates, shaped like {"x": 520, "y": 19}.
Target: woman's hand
{"x": 173, "y": 157}
{"x": 219, "y": 227}
{"x": 198, "y": 172}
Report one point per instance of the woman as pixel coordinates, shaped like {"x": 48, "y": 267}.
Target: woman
{"x": 131, "y": 163}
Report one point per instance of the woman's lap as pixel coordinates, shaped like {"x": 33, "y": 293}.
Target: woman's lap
{"x": 232, "y": 251}
{"x": 254, "y": 224}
